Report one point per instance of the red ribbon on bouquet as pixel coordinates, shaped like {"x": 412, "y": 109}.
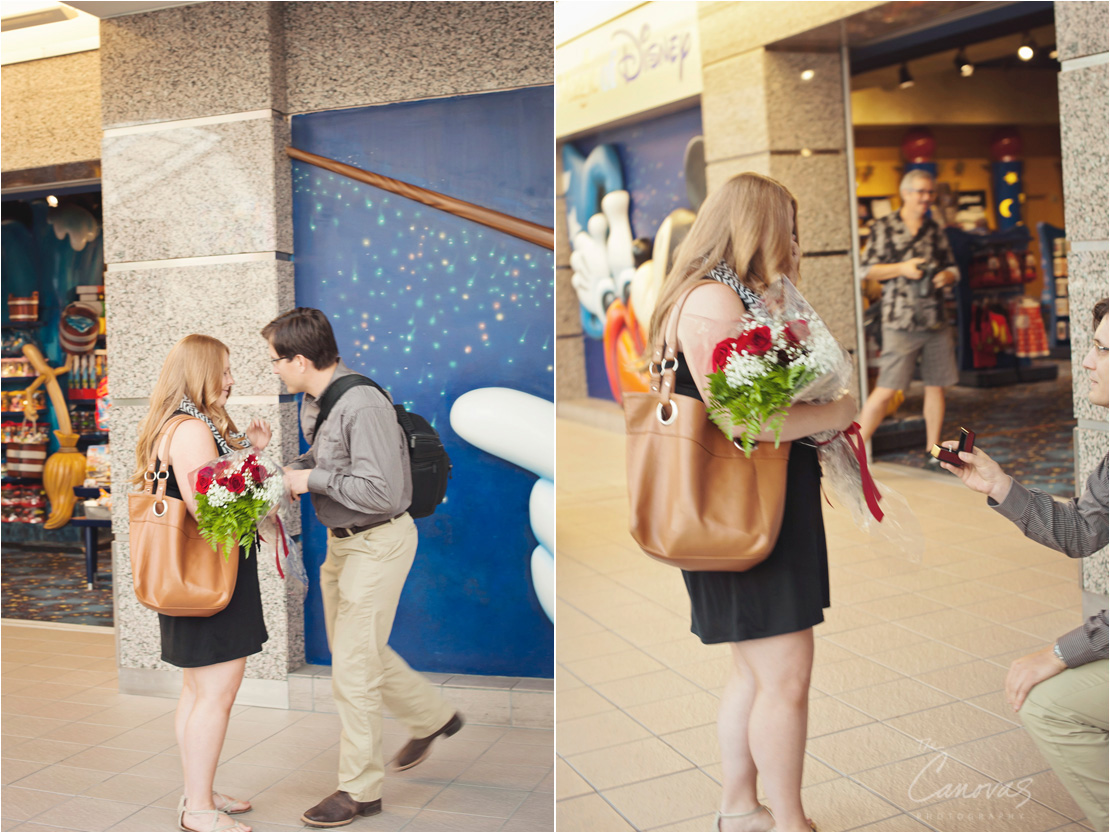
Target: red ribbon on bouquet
{"x": 870, "y": 490}
{"x": 284, "y": 545}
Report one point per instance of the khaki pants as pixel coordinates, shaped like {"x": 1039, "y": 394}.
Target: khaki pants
{"x": 361, "y": 582}
{"x": 1067, "y": 718}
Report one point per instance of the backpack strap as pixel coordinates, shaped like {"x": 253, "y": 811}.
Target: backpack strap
{"x": 335, "y": 392}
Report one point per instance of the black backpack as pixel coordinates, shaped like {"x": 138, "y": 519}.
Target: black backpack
{"x": 428, "y": 460}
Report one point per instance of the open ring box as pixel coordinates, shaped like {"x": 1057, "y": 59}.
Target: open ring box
{"x": 966, "y": 444}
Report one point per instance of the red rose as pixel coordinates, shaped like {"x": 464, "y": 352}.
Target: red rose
{"x": 236, "y": 484}
{"x": 258, "y": 473}
{"x": 758, "y": 340}
{"x": 722, "y": 352}
{"x": 796, "y": 331}
{"x": 221, "y": 469}
{"x": 204, "y": 481}
{"x": 251, "y": 460}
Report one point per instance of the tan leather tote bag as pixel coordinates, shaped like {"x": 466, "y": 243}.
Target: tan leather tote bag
{"x": 696, "y": 501}
{"x": 175, "y": 572}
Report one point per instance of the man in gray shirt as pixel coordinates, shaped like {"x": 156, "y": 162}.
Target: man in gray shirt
{"x": 1061, "y": 692}
{"x": 357, "y": 473}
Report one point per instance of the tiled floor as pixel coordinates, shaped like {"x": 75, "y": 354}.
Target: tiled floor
{"x": 78, "y": 755}
{"x": 909, "y": 730}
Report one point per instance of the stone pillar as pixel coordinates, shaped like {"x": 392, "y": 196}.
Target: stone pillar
{"x": 758, "y": 114}
{"x": 198, "y": 238}
{"x": 1083, "y": 42}
{"x": 570, "y": 359}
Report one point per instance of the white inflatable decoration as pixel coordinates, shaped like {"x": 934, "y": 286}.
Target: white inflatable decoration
{"x": 520, "y": 428}
{"x": 619, "y": 245}
{"x": 591, "y": 280}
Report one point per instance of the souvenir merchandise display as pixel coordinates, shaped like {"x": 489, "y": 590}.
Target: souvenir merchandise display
{"x": 86, "y": 373}
{"x": 24, "y": 309}
{"x": 98, "y": 466}
{"x": 22, "y": 504}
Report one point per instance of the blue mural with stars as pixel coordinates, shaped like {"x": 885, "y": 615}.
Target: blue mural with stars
{"x": 432, "y": 306}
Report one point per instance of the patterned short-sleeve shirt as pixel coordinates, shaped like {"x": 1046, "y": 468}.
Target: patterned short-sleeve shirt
{"x": 891, "y": 242}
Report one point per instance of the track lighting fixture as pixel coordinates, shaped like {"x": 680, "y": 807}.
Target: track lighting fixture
{"x": 966, "y": 67}
{"x": 1028, "y": 48}
{"x": 905, "y": 80}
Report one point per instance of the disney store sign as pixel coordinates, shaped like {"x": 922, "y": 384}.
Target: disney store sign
{"x": 644, "y": 59}
{"x": 644, "y": 52}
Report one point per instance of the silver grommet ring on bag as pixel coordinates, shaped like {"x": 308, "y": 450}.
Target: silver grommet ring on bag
{"x": 163, "y": 475}
{"x": 659, "y": 413}
{"x": 149, "y": 476}
{"x": 158, "y": 513}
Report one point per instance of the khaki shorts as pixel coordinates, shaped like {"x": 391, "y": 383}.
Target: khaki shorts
{"x": 900, "y": 352}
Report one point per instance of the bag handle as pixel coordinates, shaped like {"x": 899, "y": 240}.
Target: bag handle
{"x": 664, "y": 361}
{"x": 158, "y": 481}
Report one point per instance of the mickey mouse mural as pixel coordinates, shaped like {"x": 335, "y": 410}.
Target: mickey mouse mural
{"x": 616, "y": 277}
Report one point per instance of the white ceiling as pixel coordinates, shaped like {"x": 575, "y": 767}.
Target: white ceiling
{"x": 119, "y": 8}
{"x": 81, "y": 33}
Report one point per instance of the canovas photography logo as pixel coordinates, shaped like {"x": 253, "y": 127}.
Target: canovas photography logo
{"x": 937, "y": 781}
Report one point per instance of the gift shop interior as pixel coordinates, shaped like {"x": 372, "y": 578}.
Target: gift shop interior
{"x": 56, "y": 475}
{"x": 969, "y": 95}
{"x": 975, "y": 104}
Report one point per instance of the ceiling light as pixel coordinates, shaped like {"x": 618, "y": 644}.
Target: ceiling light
{"x": 1054, "y": 54}
{"x": 966, "y": 67}
{"x": 46, "y": 13}
{"x": 1028, "y": 48}
{"x": 807, "y": 74}
{"x": 52, "y": 201}
{"x": 905, "y": 80}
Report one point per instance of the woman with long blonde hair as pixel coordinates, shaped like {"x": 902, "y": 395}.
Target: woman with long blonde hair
{"x": 196, "y": 381}
{"x": 743, "y": 240}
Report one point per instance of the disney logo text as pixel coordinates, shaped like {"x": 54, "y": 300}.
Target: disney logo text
{"x": 641, "y": 52}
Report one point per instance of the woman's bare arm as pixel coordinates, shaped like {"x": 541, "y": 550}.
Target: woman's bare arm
{"x": 191, "y": 448}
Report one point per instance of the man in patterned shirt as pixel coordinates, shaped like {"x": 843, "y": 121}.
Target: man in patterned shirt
{"x": 1061, "y": 691}
{"x": 913, "y": 321}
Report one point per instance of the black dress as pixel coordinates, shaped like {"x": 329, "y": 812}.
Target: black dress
{"x": 236, "y": 631}
{"x": 788, "y": 591}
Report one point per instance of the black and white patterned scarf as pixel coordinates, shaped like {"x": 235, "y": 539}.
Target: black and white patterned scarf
{"x": 191, "y": 409}
{"x": 724, "y": 273}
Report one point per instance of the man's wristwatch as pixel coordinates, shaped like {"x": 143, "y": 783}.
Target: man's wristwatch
{"x": 1056, "y": 652}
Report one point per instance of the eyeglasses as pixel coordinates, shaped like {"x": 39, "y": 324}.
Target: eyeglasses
{"x": 921, "y": 192}
{"x": 280, "y": 358}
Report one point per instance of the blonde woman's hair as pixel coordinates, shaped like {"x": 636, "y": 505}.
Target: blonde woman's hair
{"x": 748, "y": 222}
{"x": 193, "y": 368}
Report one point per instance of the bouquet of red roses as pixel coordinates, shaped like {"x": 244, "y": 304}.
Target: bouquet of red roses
{"x": 234, "y": 494}
{"x": 760, "y": 371}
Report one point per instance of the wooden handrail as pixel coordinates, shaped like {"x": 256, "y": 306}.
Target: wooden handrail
{"x": 522, "y": 229}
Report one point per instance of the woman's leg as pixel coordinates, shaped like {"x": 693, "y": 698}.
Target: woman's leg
{"x": 738, "y": 778}
{"x": 184, "y": 709}
{"x": 203, "y": 734}
{"x": 781, "y": 667}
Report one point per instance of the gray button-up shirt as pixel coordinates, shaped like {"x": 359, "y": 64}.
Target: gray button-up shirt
{"x": 1077, "y": 528}
{"x": 360, "y": 462}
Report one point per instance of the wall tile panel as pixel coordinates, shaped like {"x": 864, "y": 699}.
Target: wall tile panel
{"x": 358, "y": 53}
{"x": 191, "y": 61}
{"x": 198, "y": 191}
{"x": 51, "y": 113}
{"x": 1084, "y": 115}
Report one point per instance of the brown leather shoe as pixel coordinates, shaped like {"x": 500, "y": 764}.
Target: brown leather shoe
{"x": 339, "y": 809}
{"x": 416, "y": 751}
